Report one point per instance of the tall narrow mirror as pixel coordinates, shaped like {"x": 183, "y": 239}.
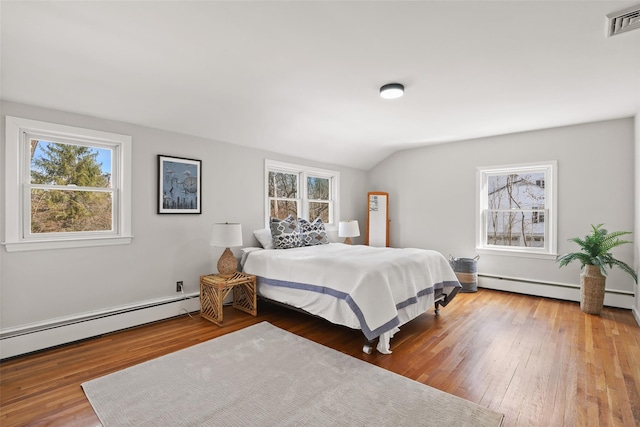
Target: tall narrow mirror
{"x": 378, "y": 219}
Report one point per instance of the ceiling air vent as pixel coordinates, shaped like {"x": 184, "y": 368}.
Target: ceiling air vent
{"x": 622, "y": 21}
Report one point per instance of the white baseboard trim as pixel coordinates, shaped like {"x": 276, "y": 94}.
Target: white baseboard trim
{"x": 636, "y": 315}
{"x": 29, "y": 338}
{"x": 612, "y": 298}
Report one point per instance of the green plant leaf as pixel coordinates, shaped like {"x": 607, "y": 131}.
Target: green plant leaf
{"x": 626, "y": 267}
{"x": 595, "y": 250}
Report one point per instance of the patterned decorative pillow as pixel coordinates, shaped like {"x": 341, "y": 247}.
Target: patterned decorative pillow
{"x": 313, "y": 233}
{"x": 285, "y": 233}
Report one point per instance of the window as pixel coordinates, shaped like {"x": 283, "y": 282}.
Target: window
{"x": 283, "y": 194}
{"x": 65, "y": 186}
{"x": 301, "y": 191}
{"x": 318, "y": 196}
{"x": 537, "y": 216}
{"x": 516, "y": 212}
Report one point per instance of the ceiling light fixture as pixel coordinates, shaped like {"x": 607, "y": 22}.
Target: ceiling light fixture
{"x": 392, "y": 91}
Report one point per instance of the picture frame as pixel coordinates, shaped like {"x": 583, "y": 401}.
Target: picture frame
{"x": 179, "y": 185}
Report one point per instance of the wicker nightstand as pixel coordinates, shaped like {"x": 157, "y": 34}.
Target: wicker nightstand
{"x": 214, "y": 289}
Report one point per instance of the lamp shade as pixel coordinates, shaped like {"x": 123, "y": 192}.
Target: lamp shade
{"x": 226, "y": 235}
{"x": 348, "y": 228}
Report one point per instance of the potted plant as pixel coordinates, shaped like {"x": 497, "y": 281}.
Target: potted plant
{"x": 594, "y": 257}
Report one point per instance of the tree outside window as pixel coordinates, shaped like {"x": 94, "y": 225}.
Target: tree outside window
{"x": 516, "y": 204}
{"x": 318, "y": 196}
{"x": 67, "y": 188}
{"x": 283, "y": 194}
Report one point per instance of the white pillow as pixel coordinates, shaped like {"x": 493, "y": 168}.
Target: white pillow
{"x": 264, "y": 237}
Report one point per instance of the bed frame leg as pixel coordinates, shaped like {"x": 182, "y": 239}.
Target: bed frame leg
{"x": 368, "y": 346}
{"x": 437, "y": 305}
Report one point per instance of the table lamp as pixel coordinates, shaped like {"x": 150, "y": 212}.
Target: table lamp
{"x": 348, "y": 229}
{"x": 226, "y": 235}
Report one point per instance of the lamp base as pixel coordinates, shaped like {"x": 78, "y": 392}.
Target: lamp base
{"x": 347, "y": 241}
{"x": 227, "y": 264}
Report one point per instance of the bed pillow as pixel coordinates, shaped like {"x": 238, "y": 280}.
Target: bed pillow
{"x": 285, "y": 233}
{"x": 264, "y": 237}
{"x": 313, "y": 233}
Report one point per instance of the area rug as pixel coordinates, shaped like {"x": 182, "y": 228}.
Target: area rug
{"x": 265, "y": 376}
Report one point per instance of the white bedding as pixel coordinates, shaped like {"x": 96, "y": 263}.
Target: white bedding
{"x": 368, "y": 288}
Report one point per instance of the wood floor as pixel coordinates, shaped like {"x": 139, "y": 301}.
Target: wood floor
{"x": 539, "y": 361}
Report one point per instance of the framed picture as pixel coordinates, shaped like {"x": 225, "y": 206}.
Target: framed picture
{"x": 179, "y": 185}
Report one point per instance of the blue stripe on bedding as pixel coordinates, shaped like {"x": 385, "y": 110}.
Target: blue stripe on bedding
{"x": 370, "y": 334}
{"x": 336, "y": 294}
{"x": 427, "y": 291}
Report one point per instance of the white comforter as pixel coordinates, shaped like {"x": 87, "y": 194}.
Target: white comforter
{"x": 374, "y": 282}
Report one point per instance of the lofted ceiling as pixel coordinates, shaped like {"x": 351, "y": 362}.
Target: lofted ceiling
{"x": 302, "y": 77}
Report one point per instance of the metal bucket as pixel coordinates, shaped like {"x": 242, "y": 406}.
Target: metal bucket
{"x": 466, "y": 270}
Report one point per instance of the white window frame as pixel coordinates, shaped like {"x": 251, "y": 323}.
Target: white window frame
{"x": 17, "y": 186}
{"x": 549, "y": 251}
{"x": 303, "y": 173}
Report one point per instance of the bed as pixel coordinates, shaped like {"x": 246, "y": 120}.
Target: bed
{"x": 373, "y": 289}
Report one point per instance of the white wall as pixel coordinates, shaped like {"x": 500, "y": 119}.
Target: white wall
{"x": 636, "y": 234}
{"x": 433, "y": 194}
{"x": 41, "y": 286}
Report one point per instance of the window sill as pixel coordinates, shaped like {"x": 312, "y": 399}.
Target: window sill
{"x": 38, "y": 245}
{"x": 516, "y": 253}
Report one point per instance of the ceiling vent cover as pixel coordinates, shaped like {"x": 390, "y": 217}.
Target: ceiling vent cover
{"x": 623, "y": 21}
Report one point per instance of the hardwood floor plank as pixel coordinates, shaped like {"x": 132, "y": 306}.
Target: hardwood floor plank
{"x": 541, "y": 362}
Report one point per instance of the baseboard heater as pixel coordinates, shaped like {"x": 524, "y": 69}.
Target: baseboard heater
{"x": 34, "y": 337}
{"x": 564, "y": 291}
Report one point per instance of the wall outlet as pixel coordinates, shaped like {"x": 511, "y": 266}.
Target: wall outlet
{"x": 179, "y": 286}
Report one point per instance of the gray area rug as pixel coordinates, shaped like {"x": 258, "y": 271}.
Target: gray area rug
{"x": 265, "y": 376}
